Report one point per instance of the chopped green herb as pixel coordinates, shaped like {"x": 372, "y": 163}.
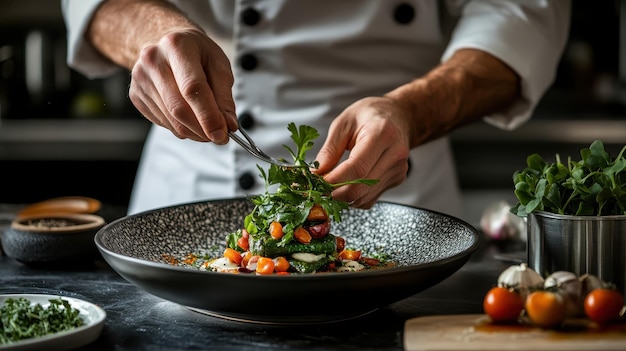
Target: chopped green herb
{"x": 20, "y": 320}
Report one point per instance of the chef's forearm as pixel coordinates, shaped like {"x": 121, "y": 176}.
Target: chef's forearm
{"x": 469, "y": 86}
{"x": 119, "y": 29}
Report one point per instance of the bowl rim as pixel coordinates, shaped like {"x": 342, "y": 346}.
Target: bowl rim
{"x": 87, "y": 222}
{"x": 105, "y": 251}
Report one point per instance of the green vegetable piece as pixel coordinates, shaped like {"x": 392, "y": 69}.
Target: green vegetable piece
{"x": 309, "y": 267}
{"x": 269, "y": 247}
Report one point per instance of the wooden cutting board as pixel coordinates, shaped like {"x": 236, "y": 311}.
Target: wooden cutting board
{"x": 476, "y": 332}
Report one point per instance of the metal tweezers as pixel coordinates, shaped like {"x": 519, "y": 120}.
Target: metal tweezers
{"x": 254, "y": 150}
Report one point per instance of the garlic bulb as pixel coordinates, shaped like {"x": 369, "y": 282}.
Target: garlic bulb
{"x": 569, "y": 286}
{"x": 588, "y": 282}
{"x": 522, "y": 278}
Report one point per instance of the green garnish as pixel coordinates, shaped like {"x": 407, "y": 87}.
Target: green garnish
{"x": 298, "y": 190}
{"x": 592, "y": 186}
{"x": 20, "y": 320}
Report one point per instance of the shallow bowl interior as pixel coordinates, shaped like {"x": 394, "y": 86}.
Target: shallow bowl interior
{"x": 427, "y": 246}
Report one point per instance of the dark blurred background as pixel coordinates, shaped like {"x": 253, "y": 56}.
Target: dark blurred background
{"x": 62, "y": 134}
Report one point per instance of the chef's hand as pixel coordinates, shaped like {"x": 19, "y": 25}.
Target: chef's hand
{"x": 374, "y": 130}
{"x": 380, "y": 131}
{"x": 183, "y": 83}
{"x": 181, "y": 79}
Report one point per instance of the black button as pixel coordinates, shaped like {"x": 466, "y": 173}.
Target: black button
{"x": 246, "y": 181}
{"x": 246, "y": 120}
{"x": 248, "y": 62}
{"x": 250, "y": 17}
{"x": 404, "y": 13}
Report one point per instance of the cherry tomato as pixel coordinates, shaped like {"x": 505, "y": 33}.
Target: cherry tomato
{"x": 302, "y": 235}
{"x": 317, "y": 213}
{"x": 503, "y": 305}
{"x": 545, "y": 309}
{"x": 603, "y": 305}
{"x": 233, "y": 256}
{"x": 281, "y": 264}
{"x": 276, "y": 230}
{"x": 265, "y": 265}
{"x": 352, "y": 255}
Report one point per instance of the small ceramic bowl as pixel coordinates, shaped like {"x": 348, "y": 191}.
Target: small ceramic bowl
{"x": 60, "y": 237}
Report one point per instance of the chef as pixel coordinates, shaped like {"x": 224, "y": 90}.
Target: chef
{"x": 383, "y": 81}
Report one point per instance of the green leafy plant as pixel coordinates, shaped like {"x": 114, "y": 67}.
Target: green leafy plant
{"x": 592, "y": 186}
{"x": 298, "y": 190}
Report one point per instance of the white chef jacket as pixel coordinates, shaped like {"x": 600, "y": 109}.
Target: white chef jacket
{"x": 305, "y": 61}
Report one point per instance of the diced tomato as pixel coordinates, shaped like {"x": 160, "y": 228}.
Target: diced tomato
{"x": 265, "y": 265}
{"x": 372, "y": 262}
{"x": 190, "y": 259}
{"x": 245, "y": 258}
{"x": 317, "y": 213}
{"x": 341, "y": 243}
{"x": 252, "y": 263}
{"x": 243, "y": 243}
{"x": 281, "y": 264}
{"x": 233, "y": 256}
{"x": 302, "y": 235}
{"x": 276, "y": 230}
{"x": 347, "y": 254}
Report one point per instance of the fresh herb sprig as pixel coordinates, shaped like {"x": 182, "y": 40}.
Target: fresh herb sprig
{"x": 592, "y": 186}
{"x": 298, "y": 190}
{"x": 20, "y": 320}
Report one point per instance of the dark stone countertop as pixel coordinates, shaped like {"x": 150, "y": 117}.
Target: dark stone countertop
{"x": 137, "y": 320}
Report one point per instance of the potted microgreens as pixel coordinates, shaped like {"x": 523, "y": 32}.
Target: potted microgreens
{"x": 576, "y": 213}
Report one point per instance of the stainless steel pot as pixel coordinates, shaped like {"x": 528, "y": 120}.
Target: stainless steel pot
{"x": 579, "y": 244}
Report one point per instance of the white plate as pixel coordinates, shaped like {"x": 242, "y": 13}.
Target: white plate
{"x": 92, "y": 315}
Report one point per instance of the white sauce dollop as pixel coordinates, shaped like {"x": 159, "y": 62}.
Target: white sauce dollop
{"x": 307, "y": 257}
{"x": 223, "y": 264}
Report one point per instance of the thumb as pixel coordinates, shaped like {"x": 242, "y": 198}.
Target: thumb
{"x": 331, "y": 152}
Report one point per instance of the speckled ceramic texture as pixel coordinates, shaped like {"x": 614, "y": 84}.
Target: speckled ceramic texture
{"x": 427, "y": 246}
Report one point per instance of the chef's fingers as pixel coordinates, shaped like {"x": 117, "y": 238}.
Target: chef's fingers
{"x": 339, "y": 140}
{"x": 221, "y": 80}
{"x": 203, "y": 77}
{"x": 389, "y": 168}
{"x": 389, "y": 175}
{"x": 175, "y": 106}
{"x": 152, "y": 82}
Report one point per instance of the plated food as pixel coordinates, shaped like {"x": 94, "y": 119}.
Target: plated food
{"x": 289, "y": 229}
{"x": 147, "y": 249}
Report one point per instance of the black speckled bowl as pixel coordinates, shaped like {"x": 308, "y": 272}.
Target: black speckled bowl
{"x": 52, "y": 238}
{"x": 427, "y": 246}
